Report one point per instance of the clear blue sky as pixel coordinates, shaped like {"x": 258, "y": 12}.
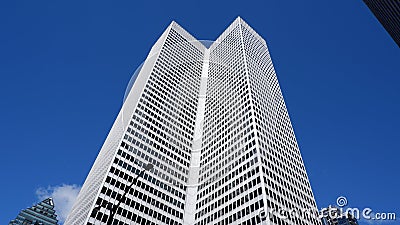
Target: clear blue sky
{"x": 64, "y": 67}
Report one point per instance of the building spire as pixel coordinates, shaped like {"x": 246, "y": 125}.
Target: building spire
{"x": 41, "y": 213}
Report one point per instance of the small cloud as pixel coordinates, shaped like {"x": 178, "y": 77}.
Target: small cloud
{"x": 63, "y": 196}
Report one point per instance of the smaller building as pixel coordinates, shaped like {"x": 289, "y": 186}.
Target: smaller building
{"x": 42, "y": 213}
{"x": 334, "y": 216}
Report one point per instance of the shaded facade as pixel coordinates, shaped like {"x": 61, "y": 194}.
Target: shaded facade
{"x": 388, "y": 14}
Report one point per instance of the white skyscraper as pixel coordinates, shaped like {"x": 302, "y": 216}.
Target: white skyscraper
{"x": 212, "y": 121}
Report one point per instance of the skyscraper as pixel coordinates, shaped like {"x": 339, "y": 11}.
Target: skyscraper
{"x": 388, "y": 14}
{"x": 213, "y": 122}
{"x": 40, "y": 214}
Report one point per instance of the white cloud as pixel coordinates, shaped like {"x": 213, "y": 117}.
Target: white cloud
{"x": 63, "y": 196}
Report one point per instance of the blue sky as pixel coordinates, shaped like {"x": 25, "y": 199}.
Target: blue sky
{"x": 64, "y": 67}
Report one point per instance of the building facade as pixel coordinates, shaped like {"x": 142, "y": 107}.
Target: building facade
{"x": 334, "y": 216}
{"x": 213, "y": 122}
{"x": 388, "y": 14}
{"x": 42, "y": 213}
